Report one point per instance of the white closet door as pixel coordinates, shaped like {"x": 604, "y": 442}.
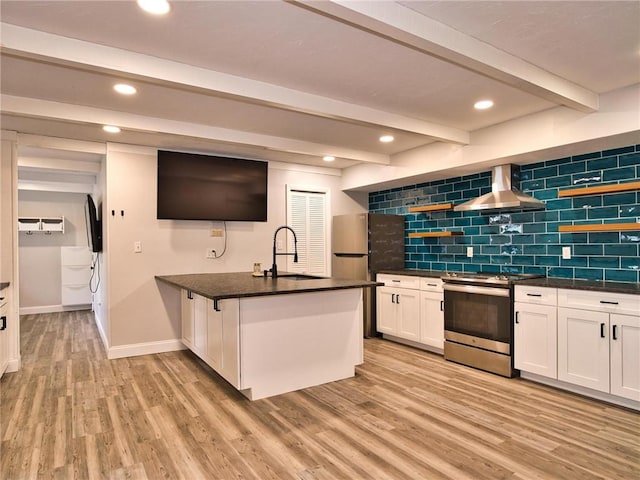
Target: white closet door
{"x": 307, "y": 214}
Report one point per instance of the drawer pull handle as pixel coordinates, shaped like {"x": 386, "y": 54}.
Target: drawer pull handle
{"x": 431, "y": 285}
{"x": 396, "y": 281}
{"x": 534, "y": 295}
{"x": 615, "y": 332}
{"x": 606, "y": 302}
{"x": 602, "y": 330}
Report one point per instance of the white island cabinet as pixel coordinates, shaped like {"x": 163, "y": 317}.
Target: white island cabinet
{"x": 269, "y": 336}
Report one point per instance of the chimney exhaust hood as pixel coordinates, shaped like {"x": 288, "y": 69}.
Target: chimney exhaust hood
{"x": 505, "y": 193}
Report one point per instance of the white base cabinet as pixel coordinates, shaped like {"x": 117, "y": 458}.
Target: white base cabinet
{"x": 535, "y": 330}
{"x": 410, "y": 308}
{"x": 599, "y": 341}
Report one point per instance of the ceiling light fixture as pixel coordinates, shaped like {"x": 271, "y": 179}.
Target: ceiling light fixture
{"x": 483, "y": 104}
{"x": 386, "y": 138}
{"x": 111, "y": 129}
{"x": 328, "y": 158}
{"x": 155, "y": 7}
{"x": 125, "y": 89}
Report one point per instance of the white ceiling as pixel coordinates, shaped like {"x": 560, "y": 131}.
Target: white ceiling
{"x": 292, "y": 81}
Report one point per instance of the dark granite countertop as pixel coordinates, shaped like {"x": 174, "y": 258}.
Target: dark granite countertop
{"x": 415, "y": 273}
{"x": 4, "y": 285}
{"x": 599, "y": 286}
{"x": 218, "y": 286}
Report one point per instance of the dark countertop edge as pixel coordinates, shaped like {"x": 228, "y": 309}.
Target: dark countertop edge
{"x": 414, "y": 273}
{"x": 592, "y": 285}
{"x": 295, "y": 288}
{"x": 4, "y": 285}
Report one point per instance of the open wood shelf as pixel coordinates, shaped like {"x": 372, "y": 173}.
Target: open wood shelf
{"x": 434, "y": 234}
{"x": 600, "y": 189}
{"x": 599, "y": 227}
{"x": 431, "y": 208}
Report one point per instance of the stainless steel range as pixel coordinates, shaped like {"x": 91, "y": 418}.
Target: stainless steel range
{"x": 478, "y": 312}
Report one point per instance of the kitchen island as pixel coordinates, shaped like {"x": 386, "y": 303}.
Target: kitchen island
{"x": 269, "y": 336}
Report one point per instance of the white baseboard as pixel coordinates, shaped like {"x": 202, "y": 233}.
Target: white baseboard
{"x": 103, "y": 334}
{"x": 148, "y": 348}
{"x": 13, "y": 365}
{"x": 53, "y": 309}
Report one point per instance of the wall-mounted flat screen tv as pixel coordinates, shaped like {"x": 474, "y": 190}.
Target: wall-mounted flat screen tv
{"x": 94, "y": 225}
{"x": 204, "y": 187}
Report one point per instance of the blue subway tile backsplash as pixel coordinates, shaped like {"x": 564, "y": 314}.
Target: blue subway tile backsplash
{"x": 528, "y": 241}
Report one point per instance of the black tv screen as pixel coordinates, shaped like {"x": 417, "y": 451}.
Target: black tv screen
{"x": 206, "y": 187}
{"x": 94, "y": 225}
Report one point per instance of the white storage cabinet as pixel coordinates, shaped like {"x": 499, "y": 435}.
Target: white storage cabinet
{"x": 599, "y": 341}
{"x": 75, "y": 274}
{"x": 536, "y": 330}
{"x": 398, "y": 306}
{"x": 432, "y": 313}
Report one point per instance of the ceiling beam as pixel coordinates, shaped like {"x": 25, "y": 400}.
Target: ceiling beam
{"x": 78, "y": 113}
{"x": 30, "y": 43}
{"x": 405, "y": 26}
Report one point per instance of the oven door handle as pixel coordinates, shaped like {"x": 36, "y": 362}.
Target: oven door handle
{"x": 492, "y": 291}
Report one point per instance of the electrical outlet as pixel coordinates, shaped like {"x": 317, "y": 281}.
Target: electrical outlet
{"x": 137, "y": 247}
{"x": 566, "y": 253}
{"x": 211, "y": 253}
{"x": 470, "y": 252}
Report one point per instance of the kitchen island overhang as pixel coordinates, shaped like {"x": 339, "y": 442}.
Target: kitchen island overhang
{"x": 270, "y": 336}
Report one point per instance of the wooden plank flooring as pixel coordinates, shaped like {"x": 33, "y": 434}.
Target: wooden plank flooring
{"x": 71, "y": 413}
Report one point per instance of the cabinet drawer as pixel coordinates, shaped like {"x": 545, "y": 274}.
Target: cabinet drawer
{"x": 599, "y": 301}
{"x": 75, "y": 275}
{"x": 539, "y": 295}
{"x": 400, "y": 281}
{"x": 75, "y": 256}
{"x": 76, "y": 295}
{"x": 430, "y": 284}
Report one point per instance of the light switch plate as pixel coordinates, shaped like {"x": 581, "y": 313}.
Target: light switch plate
{"x": 470, "y": 252}
{"x": 566, "y": 253}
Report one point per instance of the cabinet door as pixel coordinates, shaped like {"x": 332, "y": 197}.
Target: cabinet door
{"x": 387, "y": 316}
{"x": 199, "y": 325}
{"x": 536, "y": 339}
{"x": 408, "y": 307}
{"x": 214, "y": 337}
{"x": 625, "y": 356}
{"x": 583, "y": 348}
{"x": 4, "y": 340}
{"x": 187, "y": 318}
{"x": 431, "y": 319}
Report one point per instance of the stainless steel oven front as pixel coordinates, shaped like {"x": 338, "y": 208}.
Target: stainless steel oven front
{"x": 478, "y": 326}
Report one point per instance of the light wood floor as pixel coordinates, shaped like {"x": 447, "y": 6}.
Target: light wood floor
{"x": 71, "y": 413}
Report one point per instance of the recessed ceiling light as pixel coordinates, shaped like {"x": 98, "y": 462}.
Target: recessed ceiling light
{"x": 124, "y": 89}
{"x": 156, "y": 7}
{"x": 483, "y": 104}
{"x": 386, "y": 138}
{"x": 328, "y": 158}
{"x": 111, "y": 129}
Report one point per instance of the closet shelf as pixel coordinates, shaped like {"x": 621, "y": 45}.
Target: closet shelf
{"x": 435, "y": 234}
{"x": 431, "y": 208}
{"x": 599, "y": 227}
{"x": 29, "y": 225}
{"x": 600, "y": 189}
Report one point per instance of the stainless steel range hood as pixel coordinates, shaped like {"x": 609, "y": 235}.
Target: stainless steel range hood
{"x": 505, "y": 193}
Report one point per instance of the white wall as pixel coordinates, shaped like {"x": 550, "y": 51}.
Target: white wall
{"x": 39, "y": 254}
{"x": 143, "y": 313}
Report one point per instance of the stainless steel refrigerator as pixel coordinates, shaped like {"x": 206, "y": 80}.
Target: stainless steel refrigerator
{"x": 363, "y": 244}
